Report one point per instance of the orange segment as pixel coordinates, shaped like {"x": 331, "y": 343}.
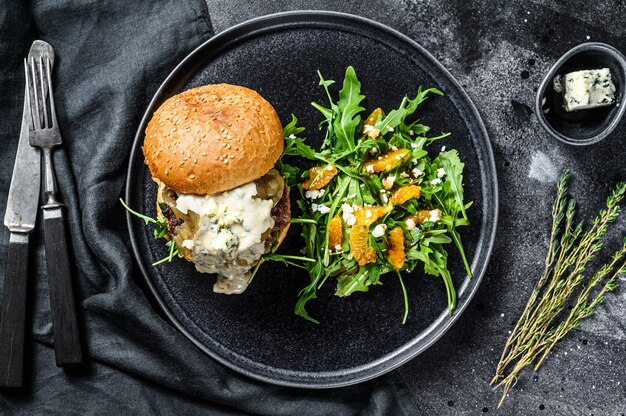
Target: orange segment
{"x": 395, "y": 251}
{"x": 319, "y": 177}
{"x": 368, "y": 127}
{"x": 387, "y": 161}
{"x": 400, "y": 196}
{"x": 368, "y": 215}
{"x": 373, "y": 117}
{"x": 335, "y": 233}
{"x": 362, "y": 252}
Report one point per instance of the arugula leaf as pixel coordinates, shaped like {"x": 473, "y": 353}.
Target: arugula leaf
{"x": 291, "y": 174}
{"x": 405, "y": 297}
{"x": 172, "y": 253}
{"x": 418, "y": 128}
{"x": 292, "y": 127}
{"x": 147, "y": 220}
{"x": 309, "y": 292}
{"x": 435, "y": 260}
{"x": 347, "y": 119}
{"x": 326, "y": 83}
{"x": 453, "y": 180}
{"x": 350, "y": 283}
{"x": 451, "y": 200}
{"x": 160, "y": 232}
{"x": 294, "y": 146}
{"x": 436, "y": 239}
{"x": 407, "y": 107}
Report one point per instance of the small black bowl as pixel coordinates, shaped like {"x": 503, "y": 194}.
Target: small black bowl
{"x": 582, "y": 127}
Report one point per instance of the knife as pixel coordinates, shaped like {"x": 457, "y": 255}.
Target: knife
{"x": 20, "y": 218}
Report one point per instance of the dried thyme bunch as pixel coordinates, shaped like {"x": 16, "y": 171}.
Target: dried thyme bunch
{"x": 542, "y": 323}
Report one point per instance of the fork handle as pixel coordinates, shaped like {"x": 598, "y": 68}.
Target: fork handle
{"x": 50, "y": 179}
{"x": 13, "y": 318}
{"x": 67, "y": 346}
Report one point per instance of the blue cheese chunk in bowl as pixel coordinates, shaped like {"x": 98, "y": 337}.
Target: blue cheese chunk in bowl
{"x": 586, "y": 89}
{"x": 580, "y": 100}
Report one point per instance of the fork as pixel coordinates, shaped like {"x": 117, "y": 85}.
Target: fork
{"x": 44, "y": 133}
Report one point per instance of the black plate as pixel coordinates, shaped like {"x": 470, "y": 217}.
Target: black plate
{"x": 359, "y": 337}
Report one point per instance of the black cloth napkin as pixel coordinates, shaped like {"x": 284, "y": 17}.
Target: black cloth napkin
{"x": 111, "y": 57}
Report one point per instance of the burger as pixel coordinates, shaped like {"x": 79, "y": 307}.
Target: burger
{"x": 212, "y": 152}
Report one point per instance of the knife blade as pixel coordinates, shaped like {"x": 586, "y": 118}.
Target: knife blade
{"x": 20, "y": 218}
{"x": 23, "y": 200}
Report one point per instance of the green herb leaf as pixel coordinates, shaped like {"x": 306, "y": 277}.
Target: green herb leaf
{"x": 348, "y": 109}
{"x": 454, "y": 181}
{"x": 350, "y": 283}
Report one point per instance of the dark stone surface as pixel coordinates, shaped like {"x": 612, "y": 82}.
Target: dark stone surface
{"x": 500, "y": 51}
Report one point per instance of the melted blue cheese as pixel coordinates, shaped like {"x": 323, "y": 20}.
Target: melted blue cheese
{"x": 229, "y": 240}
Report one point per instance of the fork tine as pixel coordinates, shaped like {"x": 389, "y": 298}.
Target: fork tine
{"x": 36, "y": 115}
{"x": 53, "y": 113}
{"x": 44, "y": 107}
{"x": 28, "y": 101}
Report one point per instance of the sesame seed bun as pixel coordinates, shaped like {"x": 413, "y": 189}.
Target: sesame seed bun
{"x": 212, "y": 138}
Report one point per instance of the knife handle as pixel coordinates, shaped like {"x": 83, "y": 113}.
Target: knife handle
{"x": 13, "y": 318}
{"x": 67, "y": 348}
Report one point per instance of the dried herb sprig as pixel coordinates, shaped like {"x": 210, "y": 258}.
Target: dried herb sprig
{"x": 570, "y": 250}
{"x": 558, "y": 213}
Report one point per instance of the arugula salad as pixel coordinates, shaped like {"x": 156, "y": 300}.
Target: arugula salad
{"x": 378, "y": 199}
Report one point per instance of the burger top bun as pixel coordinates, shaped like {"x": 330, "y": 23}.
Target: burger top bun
{"x": 212, "y": 138}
